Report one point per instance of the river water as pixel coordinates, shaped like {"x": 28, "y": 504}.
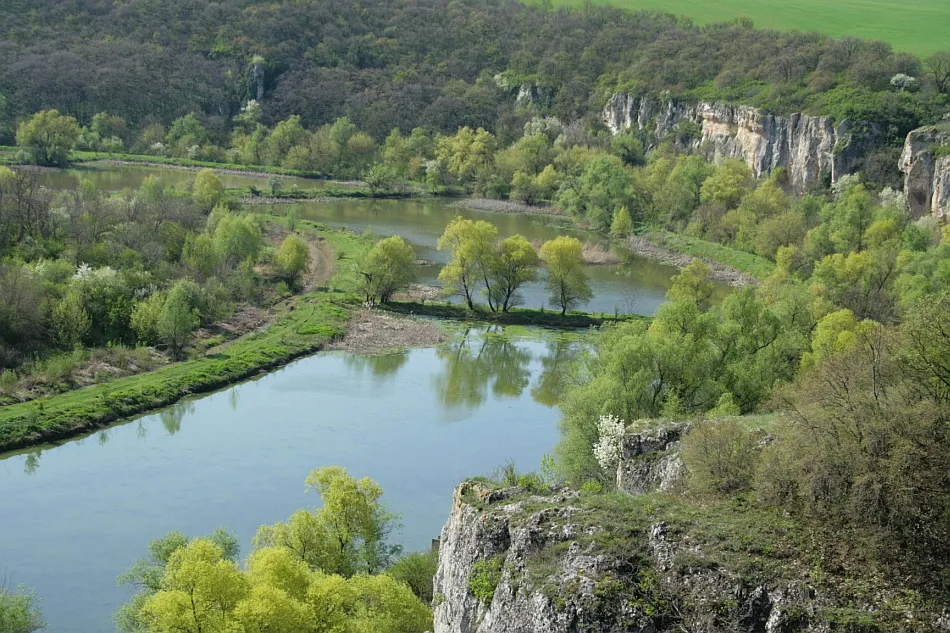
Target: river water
{"x": 75, "y": 516}
{"x": 633, "y": 285}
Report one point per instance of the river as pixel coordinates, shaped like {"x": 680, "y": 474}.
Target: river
{"x": 633, "y": 285}
{"x": 76, "y": 515}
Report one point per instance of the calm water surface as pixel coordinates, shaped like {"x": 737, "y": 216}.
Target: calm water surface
{"x": 635, "y": 285}
{"x": 75, "y": 516}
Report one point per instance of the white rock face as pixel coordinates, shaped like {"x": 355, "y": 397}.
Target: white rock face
{"x": 809, "y": 147}
{"x": 926, "y": 176}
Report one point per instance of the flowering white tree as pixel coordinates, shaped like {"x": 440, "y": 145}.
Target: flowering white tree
{"x": 610, "y": 430}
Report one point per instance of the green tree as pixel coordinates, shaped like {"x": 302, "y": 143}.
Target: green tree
{"x": 48, "y": 137}
{"x": 185, "y": 133}
{"x": 286, "y": 136}
{"x": 727, "y": 185}
{"x": 386, "y": 269}
{"x": 417, "y": 570}
{"x": 347, "y": 535}
{"x": 622, "y": 225}
{"x": 19, "y": 612}
{"x": 566, "y": 278}
{"x": 70, "y": 320}
{"x": 145, "y": 318}
{"x": 604, "y": 186}
{"x": 292, "y": 258}
{"x": 207, "y": 189}
{"x": 236, "y": 239}
{"x": 472, "y": 243}
{"x": 515, "y": 265}
{"x": 178, "y": 319}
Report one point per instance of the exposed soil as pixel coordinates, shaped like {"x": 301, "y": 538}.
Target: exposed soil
{"x": 373, "y": 331}
{"x": 720, "y": 272}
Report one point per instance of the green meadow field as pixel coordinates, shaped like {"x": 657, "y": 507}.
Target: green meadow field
{"x": 917, "y": 26}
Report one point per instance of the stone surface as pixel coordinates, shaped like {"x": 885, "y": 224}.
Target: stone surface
{"x": 810, "y": 148}
{"x": 561, "y": 572}
{"x": 927, "y": 176}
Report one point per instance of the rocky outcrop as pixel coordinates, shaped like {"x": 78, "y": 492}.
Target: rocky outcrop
{"x": 927, "y": 172}
{"x": 810, "y": 148}
{"x": 650, "y": 460}
{"x": 511, "y": 561}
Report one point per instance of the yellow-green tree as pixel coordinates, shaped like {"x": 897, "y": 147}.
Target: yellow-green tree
{"x": 515, "y": 264}
{"x": 207, "y": 189}
{"x": 386, "y": 269}
{"x": 292, "y": 258}
{"x": 347, "y": 535}
{"x": 472, "y": 243}
{"x": 48, "y": 137}
{"x": 622, "y": 225}
{"x": 566, "y": 279}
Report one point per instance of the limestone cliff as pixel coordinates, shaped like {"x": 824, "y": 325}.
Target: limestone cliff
{"x": 809, "y": 147}
{"x": 927, "y": 172}
{"x": 513, "y": 560}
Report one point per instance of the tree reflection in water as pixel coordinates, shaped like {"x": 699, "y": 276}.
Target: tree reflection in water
{"x": 477, "y": 360}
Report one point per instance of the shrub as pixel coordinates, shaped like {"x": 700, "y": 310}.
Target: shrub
{"x": 720, "y": 456}
{"x": 417, "y": 570}
{"x": 484, "y": 578}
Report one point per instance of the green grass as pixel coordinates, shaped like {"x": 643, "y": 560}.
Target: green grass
{"x": 917, "y": 26}
{"x": 516, "y": 316}
{"x": 758, "y": 267}
{"x": 303, "y": 327}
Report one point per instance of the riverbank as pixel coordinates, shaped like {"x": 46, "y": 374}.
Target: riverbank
{"x": 730, "y": 266}
{"x": 516, "y": 316}
{"x": 298, "y": 326}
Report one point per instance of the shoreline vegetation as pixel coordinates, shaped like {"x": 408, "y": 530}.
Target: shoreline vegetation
{"x": 730, "y": 266}
{"x": 322, "y": 317}
{"x": 300, "y": 326}
{"x": 515, "y": 316}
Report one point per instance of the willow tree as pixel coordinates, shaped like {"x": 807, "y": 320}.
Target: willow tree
{"x": 566, "y": 279}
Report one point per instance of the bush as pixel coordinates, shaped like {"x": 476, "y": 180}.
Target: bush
{"x": 720, "y": 456}
{"x": 484, "y": 578}
{"x": 417, "y": 570}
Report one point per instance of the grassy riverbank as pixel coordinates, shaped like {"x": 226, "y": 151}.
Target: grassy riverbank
{"x": 302, "y": 325}
{"x": 515, "y": 316}
{"x": 747, "y": 263}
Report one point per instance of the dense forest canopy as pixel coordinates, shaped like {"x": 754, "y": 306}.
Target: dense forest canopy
{"x": 437, "y": 63}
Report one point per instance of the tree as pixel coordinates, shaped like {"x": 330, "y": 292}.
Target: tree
{"x": 19, "y": 612}
{"x": 236, "y": 239}
{"x": 939, "y": 66}
{"x": 388, "y": 268}
{"x": 473, "y": 250}
{"x": 286, "y": 136}
{"x": 604, "y": 186}
{"x": 293, "y": 258}
{"x": 207, "y": 189}
{"x": 347, "y": 535}
{"x": 516, "y": 264}
{"x": 70, "y": 320}
{"x": 48, "y": 137}
{"x": 178, "y": 318}
{"x": 622, "y": 225}
{"x": 566, "y": 278}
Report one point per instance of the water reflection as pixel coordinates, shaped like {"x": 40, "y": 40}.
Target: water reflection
{"x": 172, "y": 416}
{"x": 378, "y": 365}
{"x": 556, "y": 370}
